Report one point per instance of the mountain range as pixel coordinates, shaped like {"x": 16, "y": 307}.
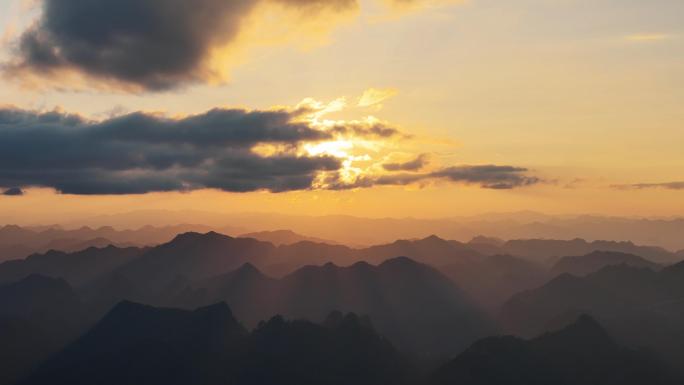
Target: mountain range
{"x": 284, "y": 237}
{"x": 663, "y": 232}
{"x": 139, "y": 344}
{"x": 432, "y": 298}
{"x": 19, "y": 242}
{"x": 582, "y": 353}
{"x": 38, "y": 316}
{"x": 639, "y": 306}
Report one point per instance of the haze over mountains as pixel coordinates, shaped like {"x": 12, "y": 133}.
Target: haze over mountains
{"x": 663, "y": 232}
{"x": 640, "y": 306}
{"x": 200, "y": 307}
{"x": 19, "y": 242}
{"x": 582, "y": 353}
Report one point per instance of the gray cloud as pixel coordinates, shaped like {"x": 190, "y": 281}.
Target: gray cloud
{"x": 486, "y": 176}
{"x": 13, "y": 191}
{"x": 140, "y": 153}
{"x": 642, "y": 186}
{"x": 413, "y": 165}
{"x": 377, "y": 130}
{"x": 153, "y": 44}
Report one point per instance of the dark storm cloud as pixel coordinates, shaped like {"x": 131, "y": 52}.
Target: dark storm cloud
{"x": 140, "y": 153}
{"x": 484, "y": 176}
{"x": 13, "y": 191}
{"x": 413, "y": 165}
{"x": 153, "y": 44}
{"x": 642, "y": 186}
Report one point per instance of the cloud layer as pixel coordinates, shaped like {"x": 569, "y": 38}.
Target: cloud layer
{"x": 642, "y": 186}
{"x": 148, "y": 44}
{"x": 13, "y": 191}
{"x": 233, "y": 150}
{"x": 485, "y": 176}
{"x": 139, "y": 153}
{"x": 412, "y": 165}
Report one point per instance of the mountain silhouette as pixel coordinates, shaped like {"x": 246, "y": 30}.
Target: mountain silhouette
{"x": 139, "y": 344}
{"x": 251, "y": 294}
{"x": 549, "y": 250}
{"x": 78, "y": 268}
{"x": 582, "y": 353}
{"x": 284, "y": 237}
{"x": 19, "y": 242}
{"x": 432, "y": 250}
{"x": 38, "y": 316}
{"x": 414, "y": 305}
{"x": 187, "y": 258}
{"x": 639, "y": 306}
{"x": 492, "y": 280}
{"x": 594, "y": 261}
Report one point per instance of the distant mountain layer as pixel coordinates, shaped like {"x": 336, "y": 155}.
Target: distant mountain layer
{"x": 136, "y": 344}
{"x": 194, "y": 256}
{"x": 79, "y": 268}
{"x": 638, "y": 305}
{"x": 368, "y": 231}
{"x": 580, "y": 354}
{"x": 18, "y": 242}
{"x": 38, "y": 316}
{"x": 147, "y": 274}
{"x": 595, "y": 261}
{"x": 549, "y": 250}
{"x": 41, "y": 319}
{"x": 493, "y": 279}
{"x": 284, "y": 237}
{"x": 410, "y": 302}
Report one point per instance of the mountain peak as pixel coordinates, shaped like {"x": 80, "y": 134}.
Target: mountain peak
{"x": 334, "y": 319}
{"x": 129, "y": 307}
{"x": 247, "y": 267}
{"x": 585, "y": 334}
{"x": 38, "y": 281}
{"x": 195, "y": 236}
{"x": 218, "y": 313}
{"x": 399, "y": 262}
{"x": 433, "y": 238}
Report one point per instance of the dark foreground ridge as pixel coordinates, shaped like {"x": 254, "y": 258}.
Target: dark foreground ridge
{"x": 139, "y": 344}
{"x": 581, "y": 354}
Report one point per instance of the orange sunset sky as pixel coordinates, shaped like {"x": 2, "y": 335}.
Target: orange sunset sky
{"x": 374, "y": 108}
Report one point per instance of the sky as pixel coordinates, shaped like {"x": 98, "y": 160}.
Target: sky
{"x": 423, "y": 108}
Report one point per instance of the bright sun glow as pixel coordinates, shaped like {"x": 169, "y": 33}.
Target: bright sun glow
{"x": 338, "y": 148}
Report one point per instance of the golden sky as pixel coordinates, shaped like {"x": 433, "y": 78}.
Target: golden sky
{"x": 560, "y": 106}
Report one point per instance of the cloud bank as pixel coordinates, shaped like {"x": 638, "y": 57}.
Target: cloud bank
{"x": 149, "y": 44}
{"x": 233, "y": 150}
{"x": 139, "y": 152}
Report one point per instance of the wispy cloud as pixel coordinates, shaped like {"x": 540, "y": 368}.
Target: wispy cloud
{"x": 375, "y": 96}
{"x": 642, "y": 186}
